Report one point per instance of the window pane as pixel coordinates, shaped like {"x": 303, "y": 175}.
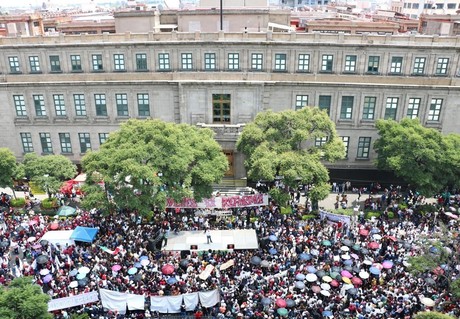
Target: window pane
{"x": 45, "y": 141}
{"x": 66, "y": 145}
{"x": 55, "y": 63}
{"x": 80, "y": 104}
{"x": 141, "y": 62}
{"x": 59, "y": 105}
{"x": 103, "y": 137}
{"x": 413, "y": 107}
{"x": 346, "y": 143}
{"x": 396, "y": 64}
{"x": 280, "y": 62}
{"x": 391, "y": 108}
{"x": 97, "y": 62}
{"x": 350, "y": 63}
{"x": 122, "y": 104}
{"x": 34, "y": 64}
{"x": 27, "y": 145}
{"x": 369, "y": 107}
{"x": 163, "y": 61}
{"x": 233, "y": 61}
{"x": 324, "y": 103}
{"x": 364, "y": 145}
{"x": 301, "y": 101}
{"x": 101, "y": 105}
{"x": 14, "y": 64}
{"x": 85, "y": 142}
{"x": 326, "y": 63}
{"x": 75, "y": 61}
{"x": 119, "y": 62}
{"x": 221, "y": 108}
{"x": 39, "y": 103}
{"x": 435, "y": 110}
{"x": 346, "y": 110}
{"x": 257, "y": 61}
{"x": 210, "y": 61}
{"x": 304, "y": 62}
{"x": 143, "y": 104}
{"x": 20, "y": 105}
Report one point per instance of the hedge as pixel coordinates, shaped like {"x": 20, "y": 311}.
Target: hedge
{"x": 48, "y": 203}
{"x": 18, "y": 202}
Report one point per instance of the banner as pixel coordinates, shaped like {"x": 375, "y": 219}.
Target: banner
{"x": 72, "y": 301}
{"x": 172, "y": 304}
{"x": 334, "y": 217}
{"x": 221, "y": 202}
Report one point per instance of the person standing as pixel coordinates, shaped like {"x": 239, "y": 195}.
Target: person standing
{"x": 208, "y": 236}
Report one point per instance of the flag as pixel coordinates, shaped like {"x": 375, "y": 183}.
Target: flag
{"x": 57, "y": 262}
{"x": 112, "y": 252}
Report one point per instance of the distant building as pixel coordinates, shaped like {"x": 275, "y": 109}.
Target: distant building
{"x": 440, "y": 24}
{"x": 414, "y": 8}
{"x": 21, "y": 25}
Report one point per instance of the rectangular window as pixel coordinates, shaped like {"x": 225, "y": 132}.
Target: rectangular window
{"x": 39, "y": 103}
{"x": 233, "y": 61}
{"x": 66, "y": 145}
{"x": 122, "y": 104}
{"x": 55, "y": 63}
{"x": 14, "y": 64}
{"x": 301, "y": 101}
{"x": 103, "y": 138}
{"x": 364, "y": 145}
{"x": 280, "y": 62}
{"x": 75, "y": 61}
{"x": 373, "y": 64}
{"x": 346, "y": 143}
{"x": 210, "y": 61}
{"x": 327, "y": 61}
{"x": 97, "y": 62}
{"x": 141, "y": 62}
{"x": 441, "y": 66}
{"x": 369, "y": 107}
{"x": 391, "y": 108}
{"x": 451, "y": 5}
{"x": 350, "y": 63}
{"x": 324, "y": 103}
{"x": 85, "y": 142}
{"x": 303, "y": 62}
{"x": 419, "y": 66}
{"x": 59, "y": 105}
{"x": 80, "y": 104}
{"x": 27, "y": 146}
{"x": 435, "y": 110}
{"x": 143, "y": 104}
{"x": 413, "y": 107}
{"x": 163, "y": 62}
{"x": 257, "y": 61}
{"x": 346, "y": 109}
{"x": 34, "y": 64}
{"x": 186, "y": 61}
{"x": 20, "y": 105}
{"x": 221, "y": 108}
{"x": 45, "y": 141}
{"x": 320, "y": 141}
{"x": 119, "y": 62}
{"x": 101, "y": 104}
{"x": 396, "y": 65}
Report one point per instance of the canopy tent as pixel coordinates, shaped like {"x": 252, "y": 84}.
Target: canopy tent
{"x": 65, "y": 211}
{"x": 61, "y": 237}
{"x": 85, "y": 234}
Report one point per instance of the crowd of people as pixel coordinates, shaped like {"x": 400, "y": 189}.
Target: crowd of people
{"x": 310, "y": 268}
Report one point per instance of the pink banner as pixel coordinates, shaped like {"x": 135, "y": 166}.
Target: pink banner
{"x": 221, "y": 202}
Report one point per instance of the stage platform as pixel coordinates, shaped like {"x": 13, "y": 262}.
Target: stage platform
{"x": 196, "y": 240}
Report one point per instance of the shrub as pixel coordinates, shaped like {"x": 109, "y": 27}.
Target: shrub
{"x": 369, "y": 215}
{"x": 17, "y": 202}
{"x": 346, "y": 212}
{"x": 286, "y": 210}
{"x": 35, "y": 189}
{"x": 391, "y": 215}
{"x": 309, "y": 216}
{"x": 432, "y": 315}
{"x": 253, "y": 219}
{"x": 49, "y": 203}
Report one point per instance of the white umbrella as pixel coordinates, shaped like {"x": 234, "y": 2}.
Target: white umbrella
{"x": 427, "y": 302}
{"x": 311, "y": 277}
{"x": 367, "y": 262}
{"x": 31, "y": 239}
{"x": 345, "y": 256}
{"x": 44, "y": 272}
{"x": 363, "y": 274}
{"x": 325, "y": 286}
{"x": 345, "y": 248}
{"x": 348, "y": 286}
{"x": 73, "y": 284}
{"x": 325, "y": 293}
{"x": 84, "y": 270}
{"x": 377, "y": 236}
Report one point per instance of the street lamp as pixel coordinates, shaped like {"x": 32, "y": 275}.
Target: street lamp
{"x": 46, "y": 184}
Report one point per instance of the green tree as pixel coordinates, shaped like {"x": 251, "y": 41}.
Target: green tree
{"x": 283, "y": 144}
{"x": 22, "y": 299}
{"x": 48, "y": 172}
{"x": 8, "y": 167}
{"x": 145, "y": 162}
{"x": 421, "y": 156}
{"x": 432, "y": 315}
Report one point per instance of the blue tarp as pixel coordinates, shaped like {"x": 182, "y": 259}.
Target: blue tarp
{"x": 85, "y": 234}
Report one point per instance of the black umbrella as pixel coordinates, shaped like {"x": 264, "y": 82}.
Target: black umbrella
{"x": 137, "y": 277}
{"x": 42, "y": 259}
{"x": 347, "y": 242}
{"x": 184, "y": 263}
{"x": 290, "y": 303}
{"x": 19, "y": 229}
{"x": 320, "y": 273}
{"x": 352, "y": 291}
{"x": 43, "y": 242}
{"x": 83, "y": 282}
{"x": 430, "y": 281}
{"x": 256, "y": 260}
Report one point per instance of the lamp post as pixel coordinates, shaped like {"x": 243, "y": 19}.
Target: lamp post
{"x": 221, "y": 16}
{"x": 46, "y": 185}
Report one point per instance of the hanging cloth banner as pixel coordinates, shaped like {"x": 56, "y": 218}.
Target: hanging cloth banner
{"x": 72, "y": 301}
{"x": 221, "y": 202}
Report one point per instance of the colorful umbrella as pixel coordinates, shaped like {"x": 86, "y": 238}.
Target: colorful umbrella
{"x": 311, "y": 269}
{"x": 304, "y": 256}
{"x": 326, "y": 243}
{"x": 143, "y": 257}
{"x": 290, "y": 303}
{"x": 138, "y": 265}
{"x": 347, "y": 242}
{"x": 427, "y": 302}
{"x": 327, "y": 313}
{"x": 300, "y": 277}
{"x": 334, "y": 283}
{"x": 283, "y": 312}
{"x": 320, "y": 273}
{"x": 346, "y": 280}
{"x": 345, "y": 248}
{"x": 325, "y": 286}
{"x": 171, "y": 281}
{"x": 373, "y": 245}
{"x": 356, "y": 281}
{"x": 116, "y": 267}
{"x": 266, "y": 301}
{"x": 272, "y": 238}
{"x": 54, "y": 226}
{"x": 387, "y": 264}
{"x": 47, "y": 278}
{"x": 348, "y": 262}
{"x": 374, "y": 271}
{"x": 280, "y": 303}
{"x": 272, "y": 251}
{"x": 44, "y": 272}
{"x": 299, "y": 285}
{"x": 144, "y": 262}
{"x": 167, "y": 269}
{"x": 80, "y": 276}
{"x": 316, "y": 289}
{"x": 132, "y": 270}
{"x": 73, "y": 284}
{"x": 311, "y": 277}
{"x": 84, "y": 270}
{"x": 363, "y": 232}
{"x": 346, "y": 274}
{"x": 377, "y": 236}
{"x": 327, "y": 279}
{"x": 31, "y": 239}
{"x": 73, "y": 272}
{"x": 256, "y": 260}
{"x": 354, "y": 256}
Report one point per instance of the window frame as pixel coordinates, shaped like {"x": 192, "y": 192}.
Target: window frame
{"x": 141, "y": 62}
{"x": 121, "y": 102}
{"x": 79, "y": 102}
{"x": 346, "y": 143}
{"x": 303, "y": 62}
{"x": 350, "y": 63}
{"x": 85, "y": 142}
{"x": 369, "y": 105}
{"x": 65, "y": 142}
{"x": 280, "y": 62}
{"x": 59, "y": 105}
{"x": 442, "y": 65}
{"x": 101, "y": 108}
{"x": 103, "y": 137}
{"x": 346, "y": 110}
{"x": 20, "y": 105}
{"x": 219, "y": 102}
{"x": 143, "y": 109}
{"x": 327, "y": 63}
{"x": 34, "y": 64}
{"x": 210, "y": 61}
{"x": 27, "y": 143}
{"x": 164, "y": 62}
{"x": 411, "y": 109}
{"x": 233, "y": 61}
{"x": 434, "y": 112}
{"x": 391, "y": 108}
{"x": 321, "y": 141}
{"x": 55, "y": 64}
{"x": 419, "y": 66}
{"x": 373, "y": 64}
{"x": 186, "y": 61}
{"x": 301, "y": 101}
{"x": 257, "y": 60}
{"x": 97, "y": 62}
{"x": 364, "y": 146}
{"x": 39, "y": 105}
{"x": 322, "y": 99}
{"x": 46, "y": 143}
{"x": 396, "y": 65}
{"x": 14, "y": 65}
{"x": 75, "y": 62}
{"x": 119, "y": 64}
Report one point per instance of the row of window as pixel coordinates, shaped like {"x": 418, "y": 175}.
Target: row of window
{"x": 46, "y": 144}
{"x": 409, "y": 5}
{"x": 280, "y": 64}
{"x": 363, "y": 149}
{"x": 369, "y": 107}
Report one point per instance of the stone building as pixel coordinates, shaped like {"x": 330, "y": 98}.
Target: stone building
{"x": 65, "y": 94}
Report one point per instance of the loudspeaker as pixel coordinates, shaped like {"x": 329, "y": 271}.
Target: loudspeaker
{"x": 230, "y": 246}
{"x": 193, "y": 247}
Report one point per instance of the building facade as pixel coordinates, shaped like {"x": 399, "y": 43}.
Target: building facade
{"x": 65, "y": 94}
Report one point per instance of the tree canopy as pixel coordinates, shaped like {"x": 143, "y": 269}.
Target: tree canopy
{"x": 283, "y": 144}
{"x": 8, "y": 167}
{"x": 421, "y": 156}
{"x": 23, "y": 299}
{"x": 147, "y": 161}
{"x": 48, "y": 172}
{"x": 432, "y": 315}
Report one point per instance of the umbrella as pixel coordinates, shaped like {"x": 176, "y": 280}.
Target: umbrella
{"x": 427, "y": 302}
{"x": 304, "y": 256}
{"x": 80, "y": 276}
{"x": 20, "y": 229}
{"x": 346, "y": 280}
{"x": 334, "y": 274}
{"x": 42, "y": 259}
{"x": 345, "y": 256}
{"x": 364, "y": 251}
{"x": 300, "y": 277}
{"x": 143, "y": 257}
{"x": 348, "y": 262}
{"x": 299, "y": 285}
{"x": 316, "y": 289}
{"x": 356, "y": 247}
{"x": 430, "y": 281}
{"x": 290, "y": 303}
{"x": 375, "y": 230}
{"x": 325, "y": 286}
{"x": 33, "y": 222}
{"x": 354, "y": 256}
{"x": 54, "y": 226}
{"x": 311, "y": 277}
{"x": 145, "y": 262}
{"x": 320, "y": 273}
{"x": 73, "y": 272}
{"x": 325, "y": 293}
{"x": 73, "y": 284}
{"x": 137, "y": 277}
{"x": 65, "y": 211}
{"x": 84, "y": 270}
{"x": 83, "y": 282}
{"x": 266, "y": 301}
{"x": 348, "y": 268}
{"x": 374, "y": 271}
{"x": 116, "y": 268}
{"x": 44, "y": 272}
{"x": 47, "y": 278}
{"x": 363, "y": 232}
{"x": 311, "y": 269}
{"x": 265, "y": 263}
{"x": 43, "y": 242}
{"x": 363, "y": 274}
{"x": 171, "y": 280}
{"x": 434, "y": 250}
{"x": 272, "y": 238}
{"x": 183, "y": 263}
{"x": 356, "y": 281}
{"x": 367, "y": 262}
{"x": 352, "y": 291}
{"x": 327, "y": 313}
{"x": 347, "y": 242}
{"x": 387, "y": 264}
{"x": 132, "y": 270}
{"x": 283, "y": 312}
{"x": 167, "y": 269}
{"x": 4, "y": 243}
{"x": 137, "y": 265}
{"x": 334, "y": 283}
{"x": 315, "y": 252}
{"x": 256, "y": 260}
{"x": 326, "y": 243}
{"x": 327, "y": 279}
{"x": 272, "y": 251}
{"x": 345, "y": 248}
{"x": 377, "y": 236}
{"x": 378, "y": 266}
{"x": 37, "y": 246}
{"x": 280, "y": 303}
{"x": 346, "y": 273}
{"x": 373, "y": 245}
{"x": 31, "y": 239}
{"x": 335, "y": 269}
{"x": 393, "y": 238}
{"x": 348, "y": 286}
